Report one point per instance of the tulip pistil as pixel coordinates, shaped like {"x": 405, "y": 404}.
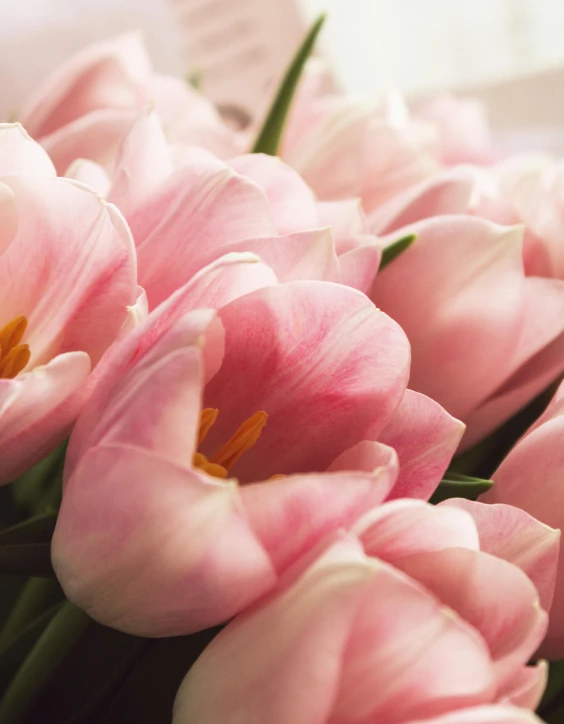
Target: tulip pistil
{"x": 14, "y": 356}
{"x": 243, "y": 440}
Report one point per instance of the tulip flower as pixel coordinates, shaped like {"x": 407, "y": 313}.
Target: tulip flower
{"x": 406, "y": 621}
{"x": 216, "y": 448}
{"x": 88, "y": 104}
{"x": 531, "y": 477}
{"x": 67, "y": 275}
{"x": 486, "y": 335}
{"x": 182, "y": 218}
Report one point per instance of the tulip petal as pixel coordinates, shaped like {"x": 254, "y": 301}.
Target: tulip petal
{"x": 425, "y": 437}
{"x": 359, "y": 266}
{"x": 324, "y": 364}
{"x": 75, "y": 266}
{"x": 20, "y": 154}
{"x": 450, "y": 314}
{"x": 528, "y": 687}
{"x": 514, "y": 535}
{"x": 153, "y": 548}
{"x": 37, "y": 409}
{"x": 485, "y": 715}
{"x": 89, "y": 173}
{"x": 9, "y": 220}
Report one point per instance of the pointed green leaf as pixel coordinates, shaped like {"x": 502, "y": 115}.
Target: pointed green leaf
{"x": 457, "y": 485}
{"x": 268, "y": 140}
{"x": 396, "y": 248}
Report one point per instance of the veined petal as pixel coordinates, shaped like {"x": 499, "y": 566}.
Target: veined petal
{"x": 37, "y": 409}
{"x": 325, "y": 365}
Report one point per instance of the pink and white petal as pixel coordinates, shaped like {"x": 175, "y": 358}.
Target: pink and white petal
{"x": 512, "y": 534}
{"x": 20, "y": 154}
{"x": 291, "y": 200}
{"x": 494, "y": 596}
{"x": 403, "y": 528}
{"x": 451, "y": 313}
{"x": 37, "y": 410}
{"x": 291, "y": 515}
{"x": 75, "y": 263}
{"x": 484, "y": 715}
{"x": 359, "y": 266}
{"x": 144, "y": 162}
{"x": 339, "y": 627}
{"x": 91, "y": 174}
{"x": 9, "y": 218}
{"x": 296, "y": 256}
{"x": 346, "y": 218}
{"x": 203, "y": 209}
{"x": 284, "y": 346}
{"x": 103, "y": 75}
{"x": 96, "y": 137}
{"x": 136, "y": 313}
{"x": 213, "y": 287}
{"x": 367, "y": 456}
{"x": 446, "y": 193}
{"x": 425, "y": 437}
{"x": 153, "y": 548}
{"x": 527, "y": 688}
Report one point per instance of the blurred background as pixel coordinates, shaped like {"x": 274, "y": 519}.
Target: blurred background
{"x": 510, "y": 52}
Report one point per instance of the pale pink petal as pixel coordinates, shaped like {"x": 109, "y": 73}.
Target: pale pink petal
{"x": 446, "y": 193}
{"x": 359, "y": 266}
{"x": 527, "y": 688}
{"x": 484, "y": 715}
{"x": 494, "y": 596}
{"x": 291, "y": 200}
{"x": 449, "y": 311}
{"x": 152, "y": 548}
{"x": 213, "y": 287}
{"x": 9, "y": 218}
{"x": 290, "y": 515}
{"x": 425, "y": 437}
{"x": 20, "y": 154}
{"x": 91, "y": 174}
{"x": 37, "y": 409}
{"x": 192, "y": 220}
{"x": 350, "y": 640}
{"x": 347, "y": 220}
{"x": 136, "y": 313}
{"x": 367, "y": 456}
{"x": 75, "y": 266}
{"x": 104, "y": 75}
{"x": 514, "y": 535}
{"x": 324, "y": 364}
{"x": 404, "y": 528}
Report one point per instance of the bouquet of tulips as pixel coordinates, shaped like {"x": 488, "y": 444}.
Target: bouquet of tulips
{"x": 281, "y": 431}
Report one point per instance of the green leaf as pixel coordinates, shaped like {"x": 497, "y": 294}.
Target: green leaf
{"x": 38, "y": 529}
{"x": 396, "y": 248}
{"x": 30, "y": 559}
{"x": 457, "y": 485}
{"x": 268, "y": 140}
{"x": 54, "y": 644}
{"x": 37, "y": 595}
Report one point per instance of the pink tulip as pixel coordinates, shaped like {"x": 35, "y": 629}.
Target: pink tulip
{"x": 88, "y": 104}
{"x": 67, "y": 275}
{"x": 184, "y": 218}
{"x": 531, "y": 477}
{"x": 486, "y": 336}
{"x": 409, "y": 621}
{"x": 216, "y": 448}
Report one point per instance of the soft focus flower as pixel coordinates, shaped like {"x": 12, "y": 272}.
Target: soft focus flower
{"x": 486, "y": 334}
{"x": 216, "y": 448}
{"x": 532, "y": 477}
{"x": 187, "y": 208}
{"x": 67, "y": 277}
{"x": 86, "y": 106}
{"x": 409, "y": 621}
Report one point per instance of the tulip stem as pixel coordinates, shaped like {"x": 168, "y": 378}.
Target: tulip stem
{"x": 56, "y": 641}
{"x": 36, "y": 596}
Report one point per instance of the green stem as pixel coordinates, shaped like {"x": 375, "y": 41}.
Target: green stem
{"x": 52, "y": 647}
{"x": 37, "y": 595}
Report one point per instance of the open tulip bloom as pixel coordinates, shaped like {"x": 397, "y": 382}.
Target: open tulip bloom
{"x": 273, "y": 407}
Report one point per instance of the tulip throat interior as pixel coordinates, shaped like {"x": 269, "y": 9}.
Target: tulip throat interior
{"x": 219, "y": 464}
{"x": 14, "y": 356}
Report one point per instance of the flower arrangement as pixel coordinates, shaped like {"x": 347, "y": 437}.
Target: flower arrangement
{"x": 280, "y": 408}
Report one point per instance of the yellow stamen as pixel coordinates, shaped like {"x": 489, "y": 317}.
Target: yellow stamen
{"x": 207, "y": 420}
{"x": 13, "y": 355}
{"x": 243, "y": 440}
